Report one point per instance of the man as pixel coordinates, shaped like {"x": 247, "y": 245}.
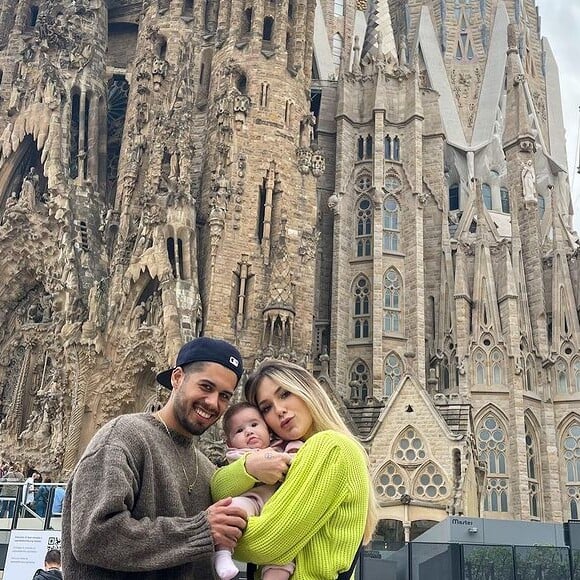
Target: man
{"x": 138, "y": 503}
{"x": 51, "y": 567}
{"x": 14, "y": 475}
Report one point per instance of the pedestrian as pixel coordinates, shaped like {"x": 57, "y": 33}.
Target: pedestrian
{"x": 138, "y": 503}
{"x": 325, "y": 508}
{"x": 52, "y": 569}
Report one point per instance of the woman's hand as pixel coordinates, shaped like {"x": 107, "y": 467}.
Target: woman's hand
{"x": 268, "y": 465}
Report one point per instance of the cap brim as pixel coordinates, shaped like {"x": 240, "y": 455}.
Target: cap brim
{"x": 164, "y": 378}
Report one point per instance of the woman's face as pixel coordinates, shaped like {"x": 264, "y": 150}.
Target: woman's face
{"x": 285, "y": 413}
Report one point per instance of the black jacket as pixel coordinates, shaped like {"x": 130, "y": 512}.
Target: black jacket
{"x": 47, "y": 575}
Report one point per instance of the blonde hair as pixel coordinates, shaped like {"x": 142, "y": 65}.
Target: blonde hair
{"x": 298, "y": 381}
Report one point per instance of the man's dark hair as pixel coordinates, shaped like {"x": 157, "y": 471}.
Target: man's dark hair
{"x": 194, "y": 367}
{"x": 231, "y": 411}
{"x": 52, "y": 557}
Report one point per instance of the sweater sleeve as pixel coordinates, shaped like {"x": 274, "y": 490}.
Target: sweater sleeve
{"x": 314, "y": 487}
{"x": 231, "y": 480}
{"x": 103, "y": 518}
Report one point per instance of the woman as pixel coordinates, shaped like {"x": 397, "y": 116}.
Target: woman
{"x": 326, "y": 506}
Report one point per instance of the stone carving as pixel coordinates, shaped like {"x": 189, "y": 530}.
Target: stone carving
{"x": 528, "y": 175}
{"x": 304, "y": 159}
{"x": 317, "y": 164}
{"x": 158, "y": 71}
{"x": 307, "y": 124}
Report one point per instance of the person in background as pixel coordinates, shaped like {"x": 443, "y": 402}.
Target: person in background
{"x": 41, "y": 499}
{"x": 59, "y": 493}
{"x": 52, "y": 569}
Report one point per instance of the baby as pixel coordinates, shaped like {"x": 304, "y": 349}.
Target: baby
{"x": 246, "y": 432}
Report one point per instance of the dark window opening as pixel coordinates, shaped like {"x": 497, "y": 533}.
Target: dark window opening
{"x": 74, "y": 136}
{"x": 180, "y": 258}
{"x": 315, "y": 104}
{"x": 360, "y": 148}
{"x": 187, "y": 10}
{"x": 396, "y": 149}
{"x": 85, "y": 145}
{"x": 84, "y": 235}
{"x": 247, "y": 21}
{"x": 288, "y": 41}
{"x": 369, "y": 147}
{"x": 242, "y": 84}
{"x": 33, "y": 16}
{"x": 388, "y": 152}
{"x": 454, "y": 197}
{"x": 268, "y": 29}
{"x": 261, "y": 210}
{"x": 117, "y": 98}
{"x": 291, "y": 10}
{"x": 162, "y": 48}
{"x": 171, "y": 255}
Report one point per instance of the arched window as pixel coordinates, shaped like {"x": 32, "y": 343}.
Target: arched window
{"x": 410, "y": 447}
{"x": 390, "y": 225}
{"x": 497, "y": 367}
{"x": 388, "y": 149}
{"x": 247, "y": 17}
{"x": 479, "y": 365}
{"x": 430, "y": 483}
{"x": 453, "y": 197}
{"x": 505, "y": 200}
{"x": 486, "y": 195}
{"x": 268, "y": 29}
{"x": 369, "y": 147}
{"x": 491, "y": 442}
{"x": 391, "y": 301}
{"x": 359, "y": 380}
{"x": 390, "y": 482}
{"x": 533, "y": 458}
{"x": 364, "y": 219}
{"x": 571, "y": 451}
{"x": 337, "y": 49}
{"x": 362, "y": 308}
{"x": 360, "y": 148}
{"x": 339, "y": 7}
{"x": 576, "y": 372}
{"x": 562, "y": 376}
{"x": 541, "y": 205}
{"x": 393, "y": 372}
{"x": 396, "y": 149}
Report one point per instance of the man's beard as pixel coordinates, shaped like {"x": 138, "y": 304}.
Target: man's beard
{"x": 182, "y": 415}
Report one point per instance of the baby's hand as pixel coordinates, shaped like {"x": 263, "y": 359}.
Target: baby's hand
{"x": 268, "y": 465}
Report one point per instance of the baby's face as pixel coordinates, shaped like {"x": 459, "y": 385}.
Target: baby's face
{"x": 248, "y": 429}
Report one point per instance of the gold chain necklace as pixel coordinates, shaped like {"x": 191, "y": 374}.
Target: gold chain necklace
{"x": 189, "y": 485}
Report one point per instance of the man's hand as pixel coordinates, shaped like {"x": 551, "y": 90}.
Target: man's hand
{"x": 226, "y": 523}
{"x": 268, "y": 465}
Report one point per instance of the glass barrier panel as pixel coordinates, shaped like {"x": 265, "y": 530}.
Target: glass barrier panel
{"x": 384, "y": 565}
{"x": 542, "y": 563}
{"x": 429, "y": 561}
{"x": 488, "y": 562}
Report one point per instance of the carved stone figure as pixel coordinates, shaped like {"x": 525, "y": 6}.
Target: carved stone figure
{"x": 307, "y": 125}
{"x": 528, "y": 181}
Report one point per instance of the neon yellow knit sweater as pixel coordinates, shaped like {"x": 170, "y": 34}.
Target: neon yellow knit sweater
{"x": 317, "y": 516}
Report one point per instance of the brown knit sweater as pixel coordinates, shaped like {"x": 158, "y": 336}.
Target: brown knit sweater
{"x": 127, "y": 513}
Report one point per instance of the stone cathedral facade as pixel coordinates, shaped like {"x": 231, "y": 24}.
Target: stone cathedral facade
{"x": 376, "y": 190}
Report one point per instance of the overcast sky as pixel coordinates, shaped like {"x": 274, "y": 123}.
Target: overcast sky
{"x": 561, "y": 26}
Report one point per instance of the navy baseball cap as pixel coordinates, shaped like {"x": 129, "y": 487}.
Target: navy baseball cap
{"x": 205, "y": 349}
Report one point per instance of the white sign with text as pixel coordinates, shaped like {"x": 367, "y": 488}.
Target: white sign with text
{"x": 26, "y": 552}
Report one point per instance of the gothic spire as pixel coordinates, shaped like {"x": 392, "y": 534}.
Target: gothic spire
{"x": 379, "y": 37}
